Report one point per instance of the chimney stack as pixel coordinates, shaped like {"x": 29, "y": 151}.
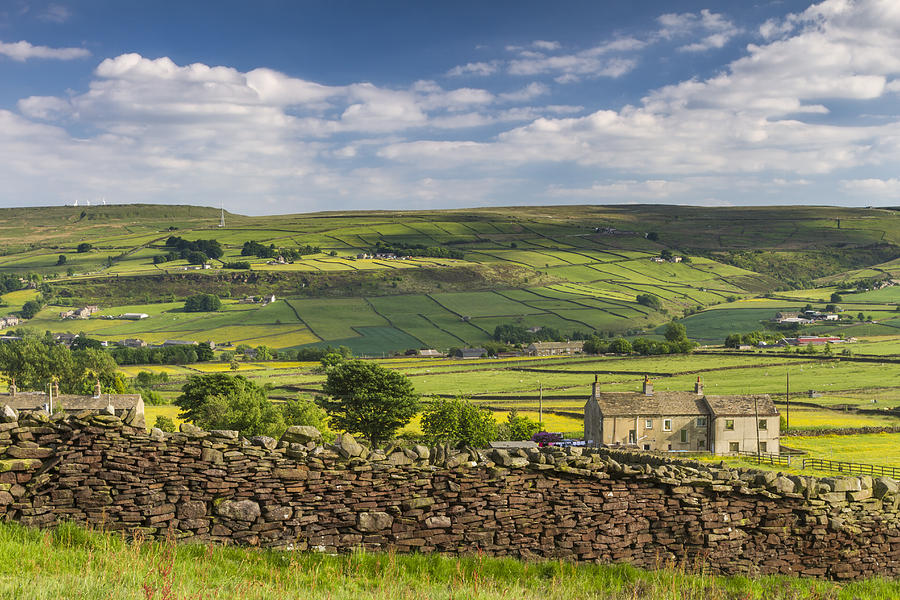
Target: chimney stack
{"x": 12, "y": 387}
{"x": 56, "y": 389}
{"x": 648, "y": 386}
{"x": 595, "y": 390}
{"x": 97, "y": 389}
{"x": 698, "y": 387}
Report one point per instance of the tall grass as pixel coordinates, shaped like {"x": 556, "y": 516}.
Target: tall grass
{"x": 71, "y": 562}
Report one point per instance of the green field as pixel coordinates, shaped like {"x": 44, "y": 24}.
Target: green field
{"x": 529, "y": 266}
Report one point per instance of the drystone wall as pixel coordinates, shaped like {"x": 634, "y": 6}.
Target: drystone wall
{"x": 586, "y": 505}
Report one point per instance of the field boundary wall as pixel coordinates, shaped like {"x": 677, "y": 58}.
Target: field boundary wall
{"x": 575, "y": 504}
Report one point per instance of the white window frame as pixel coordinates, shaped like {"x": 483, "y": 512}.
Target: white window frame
{"x": 729, "y": 424}
{"x": 648, "y": 423}
{"x": 667, "y": 424}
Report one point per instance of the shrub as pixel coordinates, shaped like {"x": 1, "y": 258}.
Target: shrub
{"x": 165, "y": 423}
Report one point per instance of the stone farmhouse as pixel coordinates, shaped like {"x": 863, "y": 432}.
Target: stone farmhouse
{"x": 122, "y": 405}
{"x": 554, "y": 348}
{"x": 682, "y": 421}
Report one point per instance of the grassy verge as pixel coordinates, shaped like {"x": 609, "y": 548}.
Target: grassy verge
{"x": 70, "y": 562}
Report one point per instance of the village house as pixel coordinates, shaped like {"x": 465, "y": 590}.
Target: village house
{"x": 122, "y": 405}
{"x": 473, "y": 352}
{"x": 429, "y": 353}
{"x": 132, "y": 343}
{"x": 682, "y": 421}
{"x": 554, "y": 348}
{"x": 9, "y": 321}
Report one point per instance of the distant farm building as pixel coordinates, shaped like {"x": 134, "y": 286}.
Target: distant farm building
{"x": 473, "y": 352}
{"x": 554, "y": 348}
{"x": 126, "y": 406}
{"x": 429, "y": 353}
{"x": 682, "y": 421}
{"x": 134, "y": 316}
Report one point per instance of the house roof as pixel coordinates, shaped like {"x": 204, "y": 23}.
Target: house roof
{"x": 626, "y": 404}
{"x": 549, "y": 345}
{"x": 622, "y": 404}
{"x": 742, "y": 405}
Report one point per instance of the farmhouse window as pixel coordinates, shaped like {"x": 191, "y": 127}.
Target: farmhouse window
{"x": 667, "y": 424}
{"x": 646, "y": 446}
{"x": 701, "y": 421}
{"x": 762, "y": 447}
{"x": 763, "y": 424}
{"x": 729, "y": 424}
{"x": 684, "y": 436}
{"x": 734, "y": 446}
{"x": 648, "y": 424}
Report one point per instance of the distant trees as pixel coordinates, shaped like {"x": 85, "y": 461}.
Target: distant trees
{"x": 239, "y": 264}
{"x": 403, "y": 249}
{"x": 835, "y": 298}
{"x": 84, "y": 247}
{"x": 181, "y": 354}
{"x": 252, "y": 248}
{"x": 202, "y": 303}
{"x": 61, "y": 260}
{"x": 368, "y": 399}
{"x": 30, "y": 309}
{"x": 221, "y": 401}
{"x": 754, "y": 338}
{"x": 34, "y": 363}
{"x": 211, "y": 248}
{"x": 649, "y": 300}
{"x": 518, "y": 334}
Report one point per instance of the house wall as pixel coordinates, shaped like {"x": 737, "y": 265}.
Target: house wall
{"x": 616, "y": 431}
{"x": 744, "y": 433}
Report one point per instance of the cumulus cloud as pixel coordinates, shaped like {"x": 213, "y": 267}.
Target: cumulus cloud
{"x": 714, "y": 30}
{"x": 599, "y": 61}
{"x": 22, "y": 51}
{"x": 481, "y": 69}
{"x": 872, "y": 187}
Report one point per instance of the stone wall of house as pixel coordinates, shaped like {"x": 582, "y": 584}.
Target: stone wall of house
{"x": 577, "y": 504}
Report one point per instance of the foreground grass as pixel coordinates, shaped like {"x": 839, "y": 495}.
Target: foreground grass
{"x": 70, "y": 562}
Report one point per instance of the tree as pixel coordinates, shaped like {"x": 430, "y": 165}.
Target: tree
{"x": 676, "y": 332}
{"x": 263, "y": 353}
{"x": 653, "y": 236}
{"x": 202, "y": 303}
{"x": 84, "y": 247}
{"x": 303, "y": 411}
{"x": 458, "y": 421}
{"x": 649, "y": 300}
{"x": 369, "y": 399}
{"x": 204, "y": 352}
{"x": 61, "y": 260}
{"x": 164, "y": 423}
{"x": 30, "y": 309}
{"x": 733, "y": 340}
{"x": 196, "y": 257}
{"x": 665, "y": 254}
{"x": 620, "y": 346}
{"x": 517, "y": 428}
{"x": 835, "y": 297}
{"x": 221, "y": 401}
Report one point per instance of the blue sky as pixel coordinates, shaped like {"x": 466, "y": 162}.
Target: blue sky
{"x": 298, "y": 106}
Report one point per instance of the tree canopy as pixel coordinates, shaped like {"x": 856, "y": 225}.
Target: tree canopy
{"x": 35, "y": 363}
{"x": 368, "y": 399}
{"x": 458, "y": 421}
{"x": 202, "y": 303}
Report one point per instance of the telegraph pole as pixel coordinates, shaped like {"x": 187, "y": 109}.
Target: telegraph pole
{"x": 787, "y": 417}
{"x": 541, "y": 405}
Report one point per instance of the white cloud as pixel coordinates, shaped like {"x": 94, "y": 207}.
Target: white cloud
{"x": 532, "y": 90}
{"x": 480, "y": 69}
{"x": 598, "y": 61}
{"x": 879, "y": 188}
{"x": 713, "y": 29}
{"x": 650, "y": 189}
{"x": 22, "y": 51}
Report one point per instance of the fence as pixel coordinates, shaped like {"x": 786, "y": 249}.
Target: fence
{"x": 850, "y": 468}
{"x": 764, "y": 457}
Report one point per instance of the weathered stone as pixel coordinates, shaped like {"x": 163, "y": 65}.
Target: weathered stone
{"x": 8, "y": 414}
{"x": 239, "y": 510}
{"x": 19, "y": 464}
{"x": 422, "y": 451}
{"x": 192, "y": 509}
{"x": 191, "y": 430}
{"x": 212, "y": 455}
{"x": 414, "y": 503}
{"x": 842, "y": 484}
{"x": 437, "y": 522}
{"x": 784, "y": 485}
{"x": 885, "y": 485}
{"x": 264, "y": 441}
{"x": 279, "y": 513}
{"x": 19, "y": 452}
{"x": 301, "y": 434}
{"x": 347, "y": 446}
{"x": 228, "y": 434}
{"x": 373, "y": 521}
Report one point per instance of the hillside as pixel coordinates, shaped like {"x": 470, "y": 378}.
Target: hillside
{"x": 571, "y": 268}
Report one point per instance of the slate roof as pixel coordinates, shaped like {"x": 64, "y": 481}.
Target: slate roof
{"x": 741, "y": 406}
{"x": 623, "y": 404}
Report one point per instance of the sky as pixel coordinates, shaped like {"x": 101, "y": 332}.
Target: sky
{"x": 284, "y": 106}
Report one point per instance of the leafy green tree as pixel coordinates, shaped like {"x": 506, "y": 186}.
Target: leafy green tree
{"x": 84, "y": 247}
{"x": 263, "y": 353}
{"x": 30, "y": 309}
{"x": 649, "y": 300}
{"x": 222, "y": 401}
{"x": 61, "y": 260}
{"x": 202, "y": 303}
{"x": 195, "y": 257}
{"x": 34, "y": 364}
{"x": 517, "y": 427}
{"x": 676, "y": 332}
{"x": 164, "y": 423}
{"x": 204, "y": 352}
{"x": 366, "y": 398}
{"x": 620, "y": 346}
{"x": 458, "y": 421}
{"x": 303, "y": 411}
{"x": 835, "y": 298}
{"x": 733, "y": 340}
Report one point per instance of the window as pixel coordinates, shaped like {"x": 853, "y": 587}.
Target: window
{"x": 667, "y": 424}
{"x": 762, "y": 447}
{"x": 632, "y": 436}
{"x": 763, "y": 424}
{"x": 648, "y": 424}
{"x": 734, "y": 446}
{"x": 701, "y": 421}
{"x": 684, "y": 436}
{"x": 646, "y": 446}
{"x": 701, "y": 444}
{"x": 729, "y": 424}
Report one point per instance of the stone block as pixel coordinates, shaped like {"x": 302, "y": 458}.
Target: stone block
{"x": 192, "y": 509}
{"x": 239, "y": 510}
{"x": 373, "y": 521}
{"x": 301, "y": 434}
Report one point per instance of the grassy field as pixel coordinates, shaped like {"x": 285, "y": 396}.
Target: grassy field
{"x": 535, "y": 267}
{"x": 73, "y": 563}
{"x": 874, "y": 449}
